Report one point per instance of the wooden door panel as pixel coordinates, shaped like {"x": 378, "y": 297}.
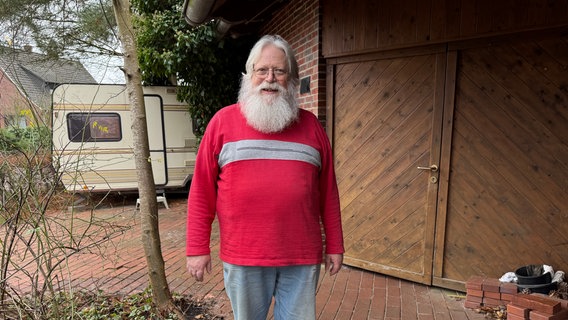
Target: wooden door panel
{"x": 382, "y": 132}
{"x": 500, "y": 202}
{"x": 376, "y": 91}
{"x": 509, "y": 161}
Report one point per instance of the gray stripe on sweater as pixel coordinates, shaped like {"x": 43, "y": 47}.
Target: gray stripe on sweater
{"x": 268, "y": 149}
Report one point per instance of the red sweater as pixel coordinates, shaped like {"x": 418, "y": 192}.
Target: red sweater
{"x": 270, "y": 193}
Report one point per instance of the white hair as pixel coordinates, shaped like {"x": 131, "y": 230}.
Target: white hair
{"x": 279, "y": 42}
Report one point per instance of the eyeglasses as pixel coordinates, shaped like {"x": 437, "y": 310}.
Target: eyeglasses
{"x": 263, "y": 72}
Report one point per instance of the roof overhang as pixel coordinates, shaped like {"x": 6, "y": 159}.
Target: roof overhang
{"x": 239, "y": 16}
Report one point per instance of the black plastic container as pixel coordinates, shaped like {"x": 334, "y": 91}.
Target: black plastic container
{"x": 538, "y": 288}
{"x": 532, "y": 278}
{"x": 532, "y": 275}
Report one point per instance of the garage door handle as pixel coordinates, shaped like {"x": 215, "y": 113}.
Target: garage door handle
{"x": 433, "y": 168}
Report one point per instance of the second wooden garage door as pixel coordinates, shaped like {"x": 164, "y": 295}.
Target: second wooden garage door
{"x": 385, "y": 127}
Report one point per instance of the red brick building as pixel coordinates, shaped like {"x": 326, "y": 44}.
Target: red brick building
{"x": 26, "y": 82}
{"x": 448, "y": 125}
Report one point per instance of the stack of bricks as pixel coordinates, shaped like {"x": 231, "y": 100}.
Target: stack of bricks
{"x": 488, "y": 292}
{"x": 491, "y": 293}
{"x": 537, "y": 306}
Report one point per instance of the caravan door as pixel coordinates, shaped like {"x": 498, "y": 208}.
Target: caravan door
{"x": 156, "y": 138}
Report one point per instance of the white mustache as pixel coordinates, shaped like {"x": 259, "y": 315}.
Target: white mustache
{"x": 270, "y": 86}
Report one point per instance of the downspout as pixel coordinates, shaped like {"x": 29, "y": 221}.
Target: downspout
{"x": 196, "y": 12}
{"x": 223, "y": 27}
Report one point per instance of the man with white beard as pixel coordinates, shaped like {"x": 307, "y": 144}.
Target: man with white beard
{"x": 265, "y": 168}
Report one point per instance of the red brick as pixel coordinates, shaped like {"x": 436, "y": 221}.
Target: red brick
{"x": 474, "y": 282}
{"x": 515, "y": 317}
{"x": 545, "y": 304}
{"x": 492, "y": 295}
{"x": 474, "y": 299}
{"x": 475, "y": 293}
{"x": 518, "y": 311}
{"x": 538, "y": 303}
{"x": 471, "y": 304}
{"x": 491, "y": 285}
{"x": 508, "y": 287}
{"x": 563, "y": 302}
{"x": 562, "y": 315}
{"x": 521, "y": 301}
{"x": 507, "y": 297}
{"x": 492, "y": 302}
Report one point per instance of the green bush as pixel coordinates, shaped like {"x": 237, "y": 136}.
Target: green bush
{"x": 24, "y": 139}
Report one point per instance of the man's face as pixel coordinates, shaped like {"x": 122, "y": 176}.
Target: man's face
{"x": 267, "y": 102}
{"x": 272, "y": 62}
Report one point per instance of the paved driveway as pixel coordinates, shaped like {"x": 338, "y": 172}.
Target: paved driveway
{"x": 119, "y": 266}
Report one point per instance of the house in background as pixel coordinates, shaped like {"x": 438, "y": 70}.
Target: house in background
{"x": 448, "y": 121}
{"x": 27, "y": 80}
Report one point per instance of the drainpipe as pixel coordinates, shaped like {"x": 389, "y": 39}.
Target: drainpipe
{"x": 223, "y": 27}
{"x": 196, "y": 11}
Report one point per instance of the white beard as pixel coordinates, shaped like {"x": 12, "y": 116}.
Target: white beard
{"x": 268, "y": 114}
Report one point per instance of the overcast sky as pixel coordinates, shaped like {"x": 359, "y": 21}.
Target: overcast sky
{"x": 105, "y": 69}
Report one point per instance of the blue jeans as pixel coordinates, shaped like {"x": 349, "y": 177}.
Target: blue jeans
{"x": 251, "y": 290}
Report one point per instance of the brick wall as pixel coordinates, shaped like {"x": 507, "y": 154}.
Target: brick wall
{"x": 299, "y": 22}
{"x": 11, "y": 102}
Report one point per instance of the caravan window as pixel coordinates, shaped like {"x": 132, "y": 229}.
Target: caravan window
{"x": 90, "y": 127}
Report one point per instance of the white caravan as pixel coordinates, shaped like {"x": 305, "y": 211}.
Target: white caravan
{"x": 93, "y": 138}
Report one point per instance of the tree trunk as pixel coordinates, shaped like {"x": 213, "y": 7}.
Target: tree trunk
{"x": 146, "y": 186}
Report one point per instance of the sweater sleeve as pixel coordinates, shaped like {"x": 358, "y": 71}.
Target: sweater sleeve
{"x": 329, "y": 197}
{"x": 201, "y": 204}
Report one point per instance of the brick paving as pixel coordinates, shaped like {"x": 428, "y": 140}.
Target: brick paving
{"x": 352, "y": 294}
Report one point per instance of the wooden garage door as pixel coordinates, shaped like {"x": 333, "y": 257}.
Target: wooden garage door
{"x": 508, "y": 179}
{"x": 387, "y": 124}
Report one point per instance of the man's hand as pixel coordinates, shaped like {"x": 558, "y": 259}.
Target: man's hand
{"x": 197, "y": 265}
{"x": 333, "y": 263}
